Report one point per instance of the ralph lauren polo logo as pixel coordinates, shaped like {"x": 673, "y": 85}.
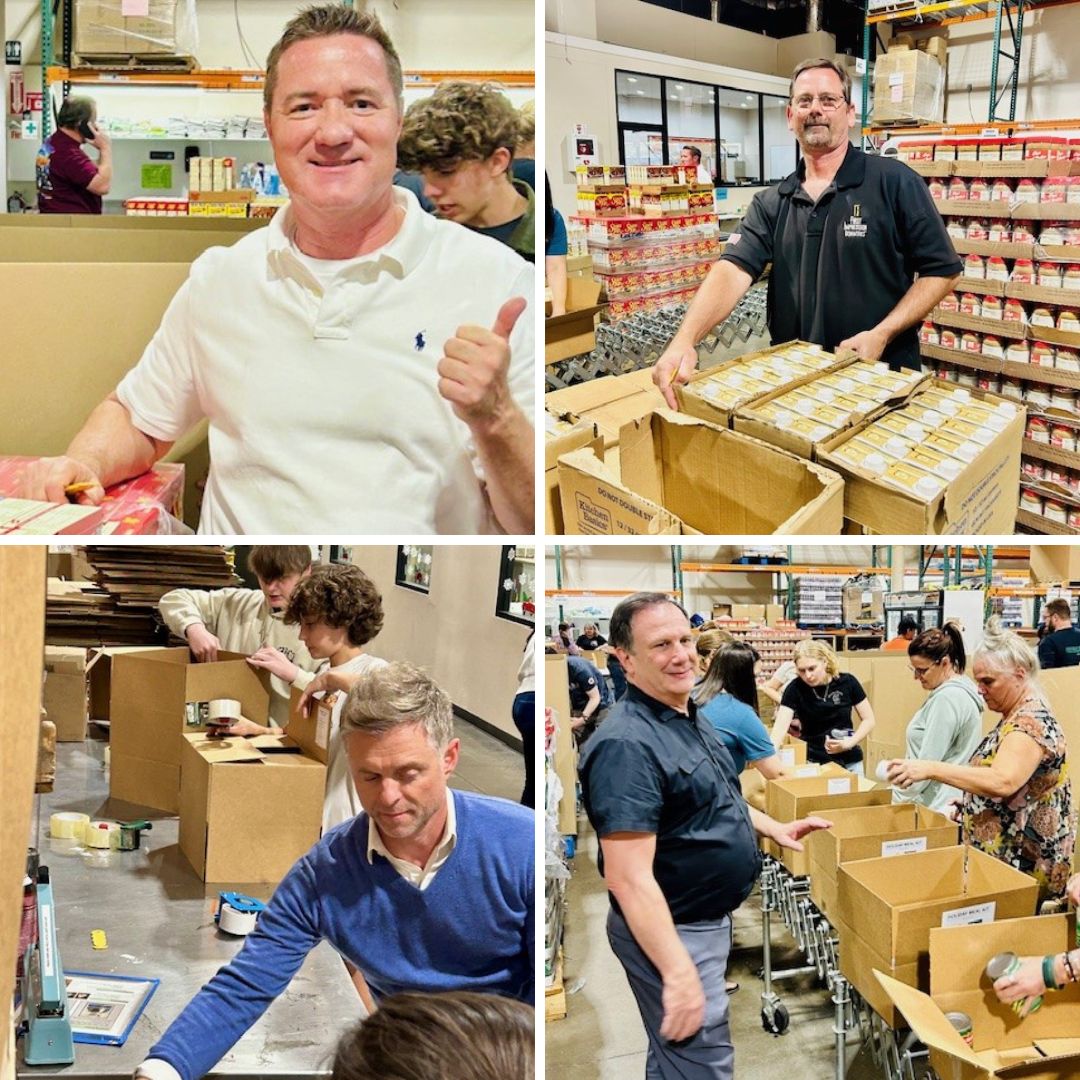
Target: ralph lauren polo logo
{"x": 420, "y": 342}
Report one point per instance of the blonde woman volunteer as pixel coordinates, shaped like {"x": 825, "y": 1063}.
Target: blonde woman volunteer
{"x": 948, "y": 727}
{"x": 1018, "y": 796}
{"x": 823, "y": 697}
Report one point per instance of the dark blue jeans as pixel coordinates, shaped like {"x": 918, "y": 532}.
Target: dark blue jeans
{"x": 524, "y": 714}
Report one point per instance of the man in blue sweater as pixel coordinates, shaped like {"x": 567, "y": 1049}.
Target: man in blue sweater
{"x": 427, "y": 890}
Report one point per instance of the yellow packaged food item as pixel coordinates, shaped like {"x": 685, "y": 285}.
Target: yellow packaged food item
{"x": 935, "y": 462}
{"x": 913, "y": 480}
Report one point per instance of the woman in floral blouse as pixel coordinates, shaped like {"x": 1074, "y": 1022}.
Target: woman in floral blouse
{"x": 1017, "y": 798}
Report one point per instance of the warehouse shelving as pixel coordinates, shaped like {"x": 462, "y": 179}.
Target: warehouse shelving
{"x": 1007, "y": 17}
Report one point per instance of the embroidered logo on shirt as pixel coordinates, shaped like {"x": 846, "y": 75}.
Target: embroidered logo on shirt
{"x": 420, "y": 342}
{"x": 855, "y": 227}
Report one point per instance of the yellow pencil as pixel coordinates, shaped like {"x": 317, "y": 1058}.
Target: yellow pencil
{"x": 78, "y": 487}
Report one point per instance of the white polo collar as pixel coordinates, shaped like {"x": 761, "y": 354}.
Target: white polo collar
{"x": 400, "y": 256}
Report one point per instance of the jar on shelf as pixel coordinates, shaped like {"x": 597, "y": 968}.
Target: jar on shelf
{"x": 1031, "y": 501}
{"x": 978, "y": 190}
{"x": 1001, "y": 191}
{"x": 958, "y": 189}
{"x": 1063, "y": 398}
{"x": 956, "y": 228}
{"x": 1042, "y": 316}
{"x": 949, "y": 339}
{"x": 970, "y": 342}
{"x": 971, "y": 304}
{"x": 1068, "y": 320}
{"x": 977, "y": 229}
{"x": 1037, "y": 395}
{"x": 928, "y": 335}
{"x": 1042, "y": 354}
{"x": 974, "y": 266}
{"x": 996, "y": 269}
{"x": 1019, "y": 352}
{"x": 1055, "y": 510}
{"x": 1038, "y": 429}
{"x": 991, "y": 348}
{"x": 1023, "y": 233}
{"x": 1048, "y": 275}
{"x": 1062, "y": 436}
{"x": 1054, "y": 189}
{"x": 1052, "y": 234}
{"x": 1027, "y": 191}
{"x": 1013, "y": 311}
{"x": 1066, "y": 358}
{"x": 949, "y": 302}
{"x": 1023, "y": 272}
{"x": 1070, "y": 277}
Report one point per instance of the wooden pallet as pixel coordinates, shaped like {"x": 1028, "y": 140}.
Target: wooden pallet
{"x": 555, "y": 994}
{"x": 176, "y": 65}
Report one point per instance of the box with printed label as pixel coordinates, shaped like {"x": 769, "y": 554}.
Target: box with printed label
{"x": 249, "y": 808}
{"x": 871, "y": 832}
{"x": 1042, "y": 1046}
{"x": 834, "y": 788}
{"x": 64, "y": 697}
{"x": 563, "y": 432}
{"x": 158, "y": 695}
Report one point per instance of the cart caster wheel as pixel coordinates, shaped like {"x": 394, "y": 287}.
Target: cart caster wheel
{"x": 777, "y": 1022}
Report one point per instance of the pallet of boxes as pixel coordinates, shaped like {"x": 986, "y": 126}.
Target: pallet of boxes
{"x": 1012, "y": 327}
{"x": 793, "y": 439}
{"x": 909, "y": 82}
{"x": 158, "y": 35}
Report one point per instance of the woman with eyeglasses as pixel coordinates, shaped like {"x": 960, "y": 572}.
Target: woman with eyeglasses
{"x": 948, "y": 727}
{"x": 1017, "y": 794}
{"x": 823, "y": 698}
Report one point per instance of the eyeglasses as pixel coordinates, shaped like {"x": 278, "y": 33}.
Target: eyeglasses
{"x": 828, "y": 102}
{"x": 919, "y": 672}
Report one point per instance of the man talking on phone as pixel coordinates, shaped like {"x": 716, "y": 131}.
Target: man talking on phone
{"x": 68, "y": 180}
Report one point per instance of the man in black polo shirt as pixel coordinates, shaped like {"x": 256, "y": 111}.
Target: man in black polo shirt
{"x": 677, "y": 842}
{"x": 846, "y": 234}
{"x": 1061, "y": 646}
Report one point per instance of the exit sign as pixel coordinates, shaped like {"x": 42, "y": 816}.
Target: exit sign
{"x": 34, "y": 100}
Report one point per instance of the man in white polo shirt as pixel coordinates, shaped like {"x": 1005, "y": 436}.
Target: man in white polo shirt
{"x": 364, "y": 366}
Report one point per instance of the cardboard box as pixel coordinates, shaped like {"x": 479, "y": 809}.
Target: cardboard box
{"x": 69, "y": 563}
{"x": 609, "y": 402}
{"x": 1043, "y": 1046}
{"x": 65, "y": 691}
{"x": 834, "y": 788}
{"x": 893, "y": 903}
{"x": 909, "y": 86}
{"x": 864, "y": 605}
{"x": 774, "y": 613}
{"x": 753, "y": 612}
{"x": 887, "y": 908}
{"x": 575, "y": 332}
{"x": 871, "y": 832}
{"x": 1055, "y": 562}
{"x": 150, "y": 692}
{"x": 557, "y": 698}
{"x": 101, "y": 29}
{"x": 249, "y": 808}
{"x": 875, "y": 751}
{"x": 99, "y": 678}
{"x": 582, "y": 434}
{"x": 680, "y": 475}
{"x": 982, "y": 499}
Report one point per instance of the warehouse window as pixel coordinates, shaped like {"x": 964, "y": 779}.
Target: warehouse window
{"x": 414, "y": 567}
{"x": 691, "y": 120}
{"x": 517, "y": 584}
{"x": 740, "y": 146}
{"x": 779, "y": 145}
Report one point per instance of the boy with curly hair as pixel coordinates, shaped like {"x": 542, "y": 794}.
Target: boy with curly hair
{"x": 461, "y": 140}
{"x": 339, "y": 611}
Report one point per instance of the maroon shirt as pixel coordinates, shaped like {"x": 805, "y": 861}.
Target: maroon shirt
{"x": 63, "y": 171}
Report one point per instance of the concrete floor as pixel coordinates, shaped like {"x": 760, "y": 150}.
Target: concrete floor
{"x": 487, "y": 764}
{"x": 602, "y": 1037}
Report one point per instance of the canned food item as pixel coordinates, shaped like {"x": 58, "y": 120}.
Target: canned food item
{"x": 1055, "y": 510}
{"x": 1033, "y": 503}
{"x": 971, "y": 342}
{"x": 1027, "y": 191}
{"x": 1048, "y": 275}
{"x": 948, "y": 338}
{"x": 1038, "y": 430}
{"x": 1001, "y": 191}
{"x": 1066, "y": 359}
{"x": 928, "y": 335}
{"x": 1023, "y": 272}
{"x": 1018, "y": 353}
{"x": 1062, "y": 436}
{"x": 1014, "y": 311}
{"x": 1042, "y": 354}
{"x": 959, "y": 1020}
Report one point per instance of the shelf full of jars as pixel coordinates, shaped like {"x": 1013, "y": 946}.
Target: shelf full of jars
{"x": 1012, "y": 208}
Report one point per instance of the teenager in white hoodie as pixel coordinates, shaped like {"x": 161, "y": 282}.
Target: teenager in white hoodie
{"x": 250, "y": 621}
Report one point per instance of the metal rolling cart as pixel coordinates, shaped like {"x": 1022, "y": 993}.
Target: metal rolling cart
{"x": 896, "y": 1053}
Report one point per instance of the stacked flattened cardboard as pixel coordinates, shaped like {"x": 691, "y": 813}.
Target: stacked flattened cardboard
{"x": 119, "y": 607}
{"x": 138, "y": 576}
{"x": 79, "y": 613}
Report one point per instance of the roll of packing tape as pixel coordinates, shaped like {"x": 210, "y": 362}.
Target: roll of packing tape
{"x": 224, "y": 709}
{"x": 101, "y": 834}
{"x": 68, "y": 826}
{"x": 236, "y": 922}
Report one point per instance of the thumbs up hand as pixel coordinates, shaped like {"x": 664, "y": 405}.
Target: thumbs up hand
{"x": 473, "y": 370}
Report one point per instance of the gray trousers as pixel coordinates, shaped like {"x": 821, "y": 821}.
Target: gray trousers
{"x": 708, "y": 1055}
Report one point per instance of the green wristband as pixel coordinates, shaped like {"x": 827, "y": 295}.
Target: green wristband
{"x": 1048, "y": 973}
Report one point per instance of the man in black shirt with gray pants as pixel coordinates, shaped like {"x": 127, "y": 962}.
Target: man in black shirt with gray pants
{"x": 677, "y": 841}
{"x": 846, "y": 233}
